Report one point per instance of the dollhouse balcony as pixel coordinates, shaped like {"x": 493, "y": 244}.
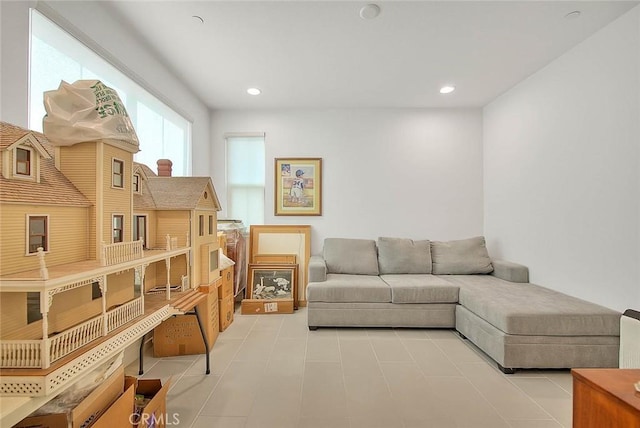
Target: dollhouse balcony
{"x": 121, "y": 252}
{"x": 28, "y": 353}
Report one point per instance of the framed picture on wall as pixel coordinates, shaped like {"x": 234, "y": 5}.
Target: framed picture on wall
{"x": 298, "y": 186}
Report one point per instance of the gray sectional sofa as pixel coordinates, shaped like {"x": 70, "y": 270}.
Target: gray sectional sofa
{"x": 428, "y": 284}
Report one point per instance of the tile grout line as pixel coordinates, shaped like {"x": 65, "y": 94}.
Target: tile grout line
{"x": 199, "y": 412}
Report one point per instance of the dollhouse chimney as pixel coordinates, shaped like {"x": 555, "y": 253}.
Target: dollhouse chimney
{"x": 164, "y": 167}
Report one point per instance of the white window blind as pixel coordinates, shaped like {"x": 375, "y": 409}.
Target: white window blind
{"x": 246, "y": 179}
{"x": 56, "y": 56}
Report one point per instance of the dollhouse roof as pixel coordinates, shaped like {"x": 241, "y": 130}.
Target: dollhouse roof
{"x": 145, "y": 170}
{"x": 53, "y": 189}
{"x": 173, "y": 193}
{"x": 143, "y": 200}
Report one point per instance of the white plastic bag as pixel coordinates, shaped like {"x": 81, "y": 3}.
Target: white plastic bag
{"x": 86, "y": 110}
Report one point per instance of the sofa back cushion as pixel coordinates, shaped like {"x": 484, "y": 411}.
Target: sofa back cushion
{"x": 398, "y": 255}
{"x": 354, "y": 256}
{"x": 463, "y": 257}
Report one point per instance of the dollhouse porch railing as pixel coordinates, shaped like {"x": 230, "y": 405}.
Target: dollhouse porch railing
{"x": 125, "y": 313}
{"x": 20, "y": 353}
{"x": 68, "y": 341}
{"x": 28, "y": 353}
{"x": 121, "y": 252}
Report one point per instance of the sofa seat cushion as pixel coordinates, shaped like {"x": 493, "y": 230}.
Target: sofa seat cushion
{"x": 421, "y": 289}
{"x": 531, "y": 310}
{"x": 349, "y": 288}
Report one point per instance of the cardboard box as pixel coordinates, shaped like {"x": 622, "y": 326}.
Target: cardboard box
{"x": 226, "y": 288}
{"x": 87, "y": 411}
{"x": 266, "y": 306}
{"x": 226, "y": 308}
{"x": 154, "y": 411}
{"x": 119, "y": 414}
{"x": 180, "y": 335}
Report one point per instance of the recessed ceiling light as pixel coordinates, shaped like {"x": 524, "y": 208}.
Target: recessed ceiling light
{"x": 447, "y": 89}
{"x": 573, "y": 15}
{"x": 254, "y": 91}
{"x": 370, "y": 11}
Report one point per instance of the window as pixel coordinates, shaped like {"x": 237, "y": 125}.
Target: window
{"x": 136, "y": 183}
{"x": 56, "y": 55}
{"x": 38, "y": 233}
{"x": 118, "y": 173}
{"x": 201, "y": 225}
{"x": 246, "y": 178}
{"x": 96, "y": 293}
{"x": 210, "y": 225}
{"x": 23, "y": 161}
{"x": 118, "y": 228}
{"x": 33, "y": 307}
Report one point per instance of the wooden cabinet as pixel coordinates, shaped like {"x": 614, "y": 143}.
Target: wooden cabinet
{"x": 606, "y": 398}
{"x": 225, "y": 298}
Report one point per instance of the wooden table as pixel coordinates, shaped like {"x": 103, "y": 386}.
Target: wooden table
{"x": 606, "y": 398}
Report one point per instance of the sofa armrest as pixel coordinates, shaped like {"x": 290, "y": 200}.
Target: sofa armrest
{"x": 317, "y": 269}
{"x": 510, "y": 271}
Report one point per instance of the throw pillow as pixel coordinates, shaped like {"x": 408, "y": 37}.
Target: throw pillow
{"x": 398, "y": 255}
{"x": 463, "y": 257}
{"x": 354, "y": 256}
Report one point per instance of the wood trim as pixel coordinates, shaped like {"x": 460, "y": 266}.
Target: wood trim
{"x": 258, "y": 231}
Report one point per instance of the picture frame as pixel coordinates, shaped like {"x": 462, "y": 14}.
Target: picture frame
{"x": 298, "y": 186}
{"x": 278, "y": 239}
{"x": 272, "y": 282}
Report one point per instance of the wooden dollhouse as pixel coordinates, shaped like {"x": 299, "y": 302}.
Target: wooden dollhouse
{"x": 95, "y": 251}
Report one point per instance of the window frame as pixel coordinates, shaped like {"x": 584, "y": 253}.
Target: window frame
{"x": 135, "y": 183}
{"x": 29, "y": 234}
{"x": 115, "y": 161}
{"x": 200, "y": 224}
{"x": 113, "y": 228}
{"x": 29, "y": 162}
{"x": 210, "y": 224}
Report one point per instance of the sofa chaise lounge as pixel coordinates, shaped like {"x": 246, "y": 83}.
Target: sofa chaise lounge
{"x": 428, "y": 284}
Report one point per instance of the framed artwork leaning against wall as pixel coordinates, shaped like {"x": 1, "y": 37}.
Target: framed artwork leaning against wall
{"x": 298, "y": 186}
{"x": 272, "y": 281}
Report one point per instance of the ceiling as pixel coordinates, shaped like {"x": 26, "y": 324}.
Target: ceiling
{"x": 322, "y": 54}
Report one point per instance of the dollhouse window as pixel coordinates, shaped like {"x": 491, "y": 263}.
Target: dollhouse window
{"x": 210, "y": 225}
{"x": 136, "y": 183}
{"x": 96, "y": 293}
{"x": 33, "y": 307}
{"x": 23, "y": 161}
{"x": 118, "y": 173}
{"x": 38, "y": 233}
{"x": 201, "y": 225}
{"x": 118, "y": 223}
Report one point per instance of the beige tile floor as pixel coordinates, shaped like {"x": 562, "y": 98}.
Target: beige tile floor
{"x": 270, "y": 371}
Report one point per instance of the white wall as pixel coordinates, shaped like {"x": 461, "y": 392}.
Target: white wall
{"x": 562, "y": 170}
{"x": 107, "y": 31}
{"x": 386, "y": 172}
